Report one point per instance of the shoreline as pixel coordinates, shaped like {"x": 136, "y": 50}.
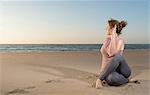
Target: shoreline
{"x": 68, "y": 50}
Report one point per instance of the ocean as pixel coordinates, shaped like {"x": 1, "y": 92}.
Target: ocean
{"x": 63, "y": 47}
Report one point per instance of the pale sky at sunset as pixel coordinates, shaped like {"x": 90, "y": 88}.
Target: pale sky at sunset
{"x": 71, "y": 22}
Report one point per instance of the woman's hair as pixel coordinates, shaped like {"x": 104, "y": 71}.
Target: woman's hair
{"x": 119, "y": 25}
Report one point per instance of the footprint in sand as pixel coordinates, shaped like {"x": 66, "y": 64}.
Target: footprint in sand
{"x": 93, "y": 84}
{"x": 53, "y": 81}
{"x": 92, "y": 76}
{"x": 30, "y": 87}
{"x": 127, "y": 87}
{"x": 20, "y": 90}
{"x": 17, "y": 91}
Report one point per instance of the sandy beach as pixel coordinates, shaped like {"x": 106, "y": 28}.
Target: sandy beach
{"x": 67, "y": 73}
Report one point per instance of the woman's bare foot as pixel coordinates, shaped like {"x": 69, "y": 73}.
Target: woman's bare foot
{"x": 98, "y": 84}
{"x": 134, "y": 81}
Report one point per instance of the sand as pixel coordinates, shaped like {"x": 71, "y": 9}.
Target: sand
{"x": 67, "y": 73}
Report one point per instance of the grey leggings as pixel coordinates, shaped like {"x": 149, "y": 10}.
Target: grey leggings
{"x": 116, "y": 72}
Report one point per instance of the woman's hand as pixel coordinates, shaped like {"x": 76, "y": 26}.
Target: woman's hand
{"x": 114, "y": 31}
{"x": 111, "y": 55}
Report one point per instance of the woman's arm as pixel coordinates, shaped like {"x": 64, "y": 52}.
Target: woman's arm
{"x": 112, "y": 46}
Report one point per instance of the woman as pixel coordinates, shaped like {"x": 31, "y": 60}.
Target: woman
{"x": 114, "y": 69}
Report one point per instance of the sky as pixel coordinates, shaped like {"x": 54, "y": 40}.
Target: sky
{"x": 71, "y": 22}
